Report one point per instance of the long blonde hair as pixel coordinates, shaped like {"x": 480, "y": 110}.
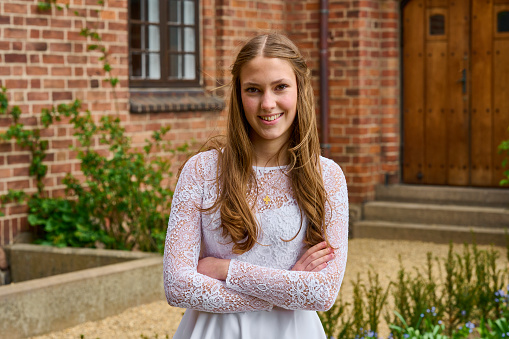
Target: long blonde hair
{"x": 235, "y": 177}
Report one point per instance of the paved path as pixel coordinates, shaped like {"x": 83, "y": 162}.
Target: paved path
{"x": 158, "y": 320}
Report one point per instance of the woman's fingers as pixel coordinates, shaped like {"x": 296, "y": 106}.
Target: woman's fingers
{"x": 315, "y": 258}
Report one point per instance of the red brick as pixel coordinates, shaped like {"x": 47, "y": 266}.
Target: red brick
{"x": 35, "y": 33}
{"x": 62, "y": 96}
{"x": 35, "y": 83}
{"x": 36, "y": 46}
{"x": 77, "y": 83}
{"x": 16, "y": 83}
{"x": 37, "y": 96}
{"x": 54, "y": 83}
{"x": 65, "y": 23}
{"x": 61, "y": 71}
{"x": 18, "y": 20}
{"x": 77, "y": 59}
{"x": 17, "y": 46}
{"x": 18, "y": 209}
{"x": 12, "y": 58}
{"x": 5, "y": 45}
{"x": 61, "y": 168}
{"x": 52, "y": 34}
{"x": 15, "y": 33}
{"x": 75, "y": 36}
{"x": 60, "y": 47}
{"x": 36, "y": 70}
{"x": 23, "y": 224}
{"x": 28, "y": 121}
{"x": 53, "y": 59}
{"x": 5, "y": 20}
{"x": 34, "y": 59}
{"x": 37, "y": 21}
{"x": 15, "y": 8}
{"x": 117, "y": 26}
{"x": 18, "y": 185}
{"x": 58, "y": 144}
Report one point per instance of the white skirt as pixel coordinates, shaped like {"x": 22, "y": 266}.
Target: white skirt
{"x": 276, "y": 324}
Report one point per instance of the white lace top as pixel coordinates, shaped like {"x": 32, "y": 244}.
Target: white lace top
{"x": 259, "y": 278}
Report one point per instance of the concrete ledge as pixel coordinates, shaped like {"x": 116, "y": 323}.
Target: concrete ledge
{"x": 469, "y": 196}
{"x": 28, "y": 261}
{"x": 437, "y": 214}
{"x": 429, "y": 233}
{"x": 53, "y": 303}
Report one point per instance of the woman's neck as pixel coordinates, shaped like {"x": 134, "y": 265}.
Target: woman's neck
{"x": 269, "y": 155}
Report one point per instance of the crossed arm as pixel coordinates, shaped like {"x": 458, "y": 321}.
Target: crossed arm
{"x": 224, "y": 286}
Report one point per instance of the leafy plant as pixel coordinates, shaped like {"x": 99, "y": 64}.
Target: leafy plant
{"x": 124, "y": 200}
{"x": 504, "y": 148}
{"x": 335, "y": 322}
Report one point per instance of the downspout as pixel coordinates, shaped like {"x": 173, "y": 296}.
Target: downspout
{"x": 324, "y": 78}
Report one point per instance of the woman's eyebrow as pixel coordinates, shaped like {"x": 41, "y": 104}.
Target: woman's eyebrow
{"x": 249, "y": 83}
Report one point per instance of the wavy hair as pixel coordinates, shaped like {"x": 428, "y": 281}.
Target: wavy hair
{"x": 235, "y": 177}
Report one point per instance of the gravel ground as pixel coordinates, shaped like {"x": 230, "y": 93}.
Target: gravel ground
{"x": 158, "y": 320}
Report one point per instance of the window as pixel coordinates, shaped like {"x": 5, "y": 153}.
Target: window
{"x": 437, "y": 24}
{"x": 503, "y": 21}
{"x": 163, "y": 43}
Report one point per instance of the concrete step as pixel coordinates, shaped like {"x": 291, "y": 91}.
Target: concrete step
{"x": 469, "y": 196}
{"x": 421, "y": 213}
{"x": 428, "y": 232}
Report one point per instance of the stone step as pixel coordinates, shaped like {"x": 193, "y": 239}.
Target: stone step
{"x": 429, "y": 232}
{"x": 421, "y": 213}
{"x": 469, "y": 196}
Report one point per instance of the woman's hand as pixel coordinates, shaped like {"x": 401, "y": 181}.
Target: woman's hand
{"x": 315, "y": 259}
{"x": 214, "y": 267}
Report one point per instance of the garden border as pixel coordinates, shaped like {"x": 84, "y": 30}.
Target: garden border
{"x": 53, "y": 303}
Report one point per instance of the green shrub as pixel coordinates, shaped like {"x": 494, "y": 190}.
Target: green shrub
{"x": 124, "y": 200}
{"x": 467, "y": 290}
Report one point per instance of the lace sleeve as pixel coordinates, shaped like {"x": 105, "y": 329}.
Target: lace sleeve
{"x": 303, "y": 290}
{"x": 183, "y": 285}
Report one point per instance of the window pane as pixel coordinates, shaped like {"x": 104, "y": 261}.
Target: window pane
{"x": 175, "y": 66}
{"x": 135, "y": 9}
{"x": 503, "y": 21}
{"x": 153, "y": 10}
{"x": 189, "y": 63}
{"x": 153, "y": 38}
{"x": 175, "y": 43}
{"x": 437, "y": 24}
{"x": 188, "y": 12}
{"x": 188, "y": 39}
{"x": 136, "y": 65}
{"x": 154, "y": 66}
{"x": 136, "y": 36}
{"x": 174, "y": 12}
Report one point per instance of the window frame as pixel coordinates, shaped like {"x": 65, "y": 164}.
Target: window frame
{"x": 164, "y": 48}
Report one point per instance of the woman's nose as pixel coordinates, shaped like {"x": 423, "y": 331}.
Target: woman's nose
{"x": 268, "y": 101}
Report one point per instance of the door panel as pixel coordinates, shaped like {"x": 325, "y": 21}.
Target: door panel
{"x": 436, "y": 99}
{"x": 481, "y": 111}
{"x": 413, "y": 111}
{"x": 455, "y": 91}
{"x": 457, "y": 118}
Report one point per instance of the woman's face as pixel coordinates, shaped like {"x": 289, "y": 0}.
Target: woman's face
{"x": 269, "y": 97}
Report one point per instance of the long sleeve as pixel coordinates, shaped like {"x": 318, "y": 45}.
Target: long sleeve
{"x": 184, "y": 286}
{"x": 303, "y": 290}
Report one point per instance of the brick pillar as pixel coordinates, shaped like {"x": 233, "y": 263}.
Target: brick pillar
{"x": 364, "y": 93}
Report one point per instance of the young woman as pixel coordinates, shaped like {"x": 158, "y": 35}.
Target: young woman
{"x": 258, "y": 231}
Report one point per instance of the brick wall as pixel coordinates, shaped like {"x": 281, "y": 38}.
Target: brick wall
{"x": 43, "y": 61}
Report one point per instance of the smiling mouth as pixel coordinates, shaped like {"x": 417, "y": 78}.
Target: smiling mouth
{"x": 272, "y": 117}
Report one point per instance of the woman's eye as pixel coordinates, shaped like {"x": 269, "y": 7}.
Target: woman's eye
{"x": 281, "y": 87}
{"x": 251, "y": 90}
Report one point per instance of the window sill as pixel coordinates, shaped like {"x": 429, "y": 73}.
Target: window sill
{"x": 174, "y": 100}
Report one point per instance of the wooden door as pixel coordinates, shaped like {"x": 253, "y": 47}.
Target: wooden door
{"x": 455, "y": 91}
